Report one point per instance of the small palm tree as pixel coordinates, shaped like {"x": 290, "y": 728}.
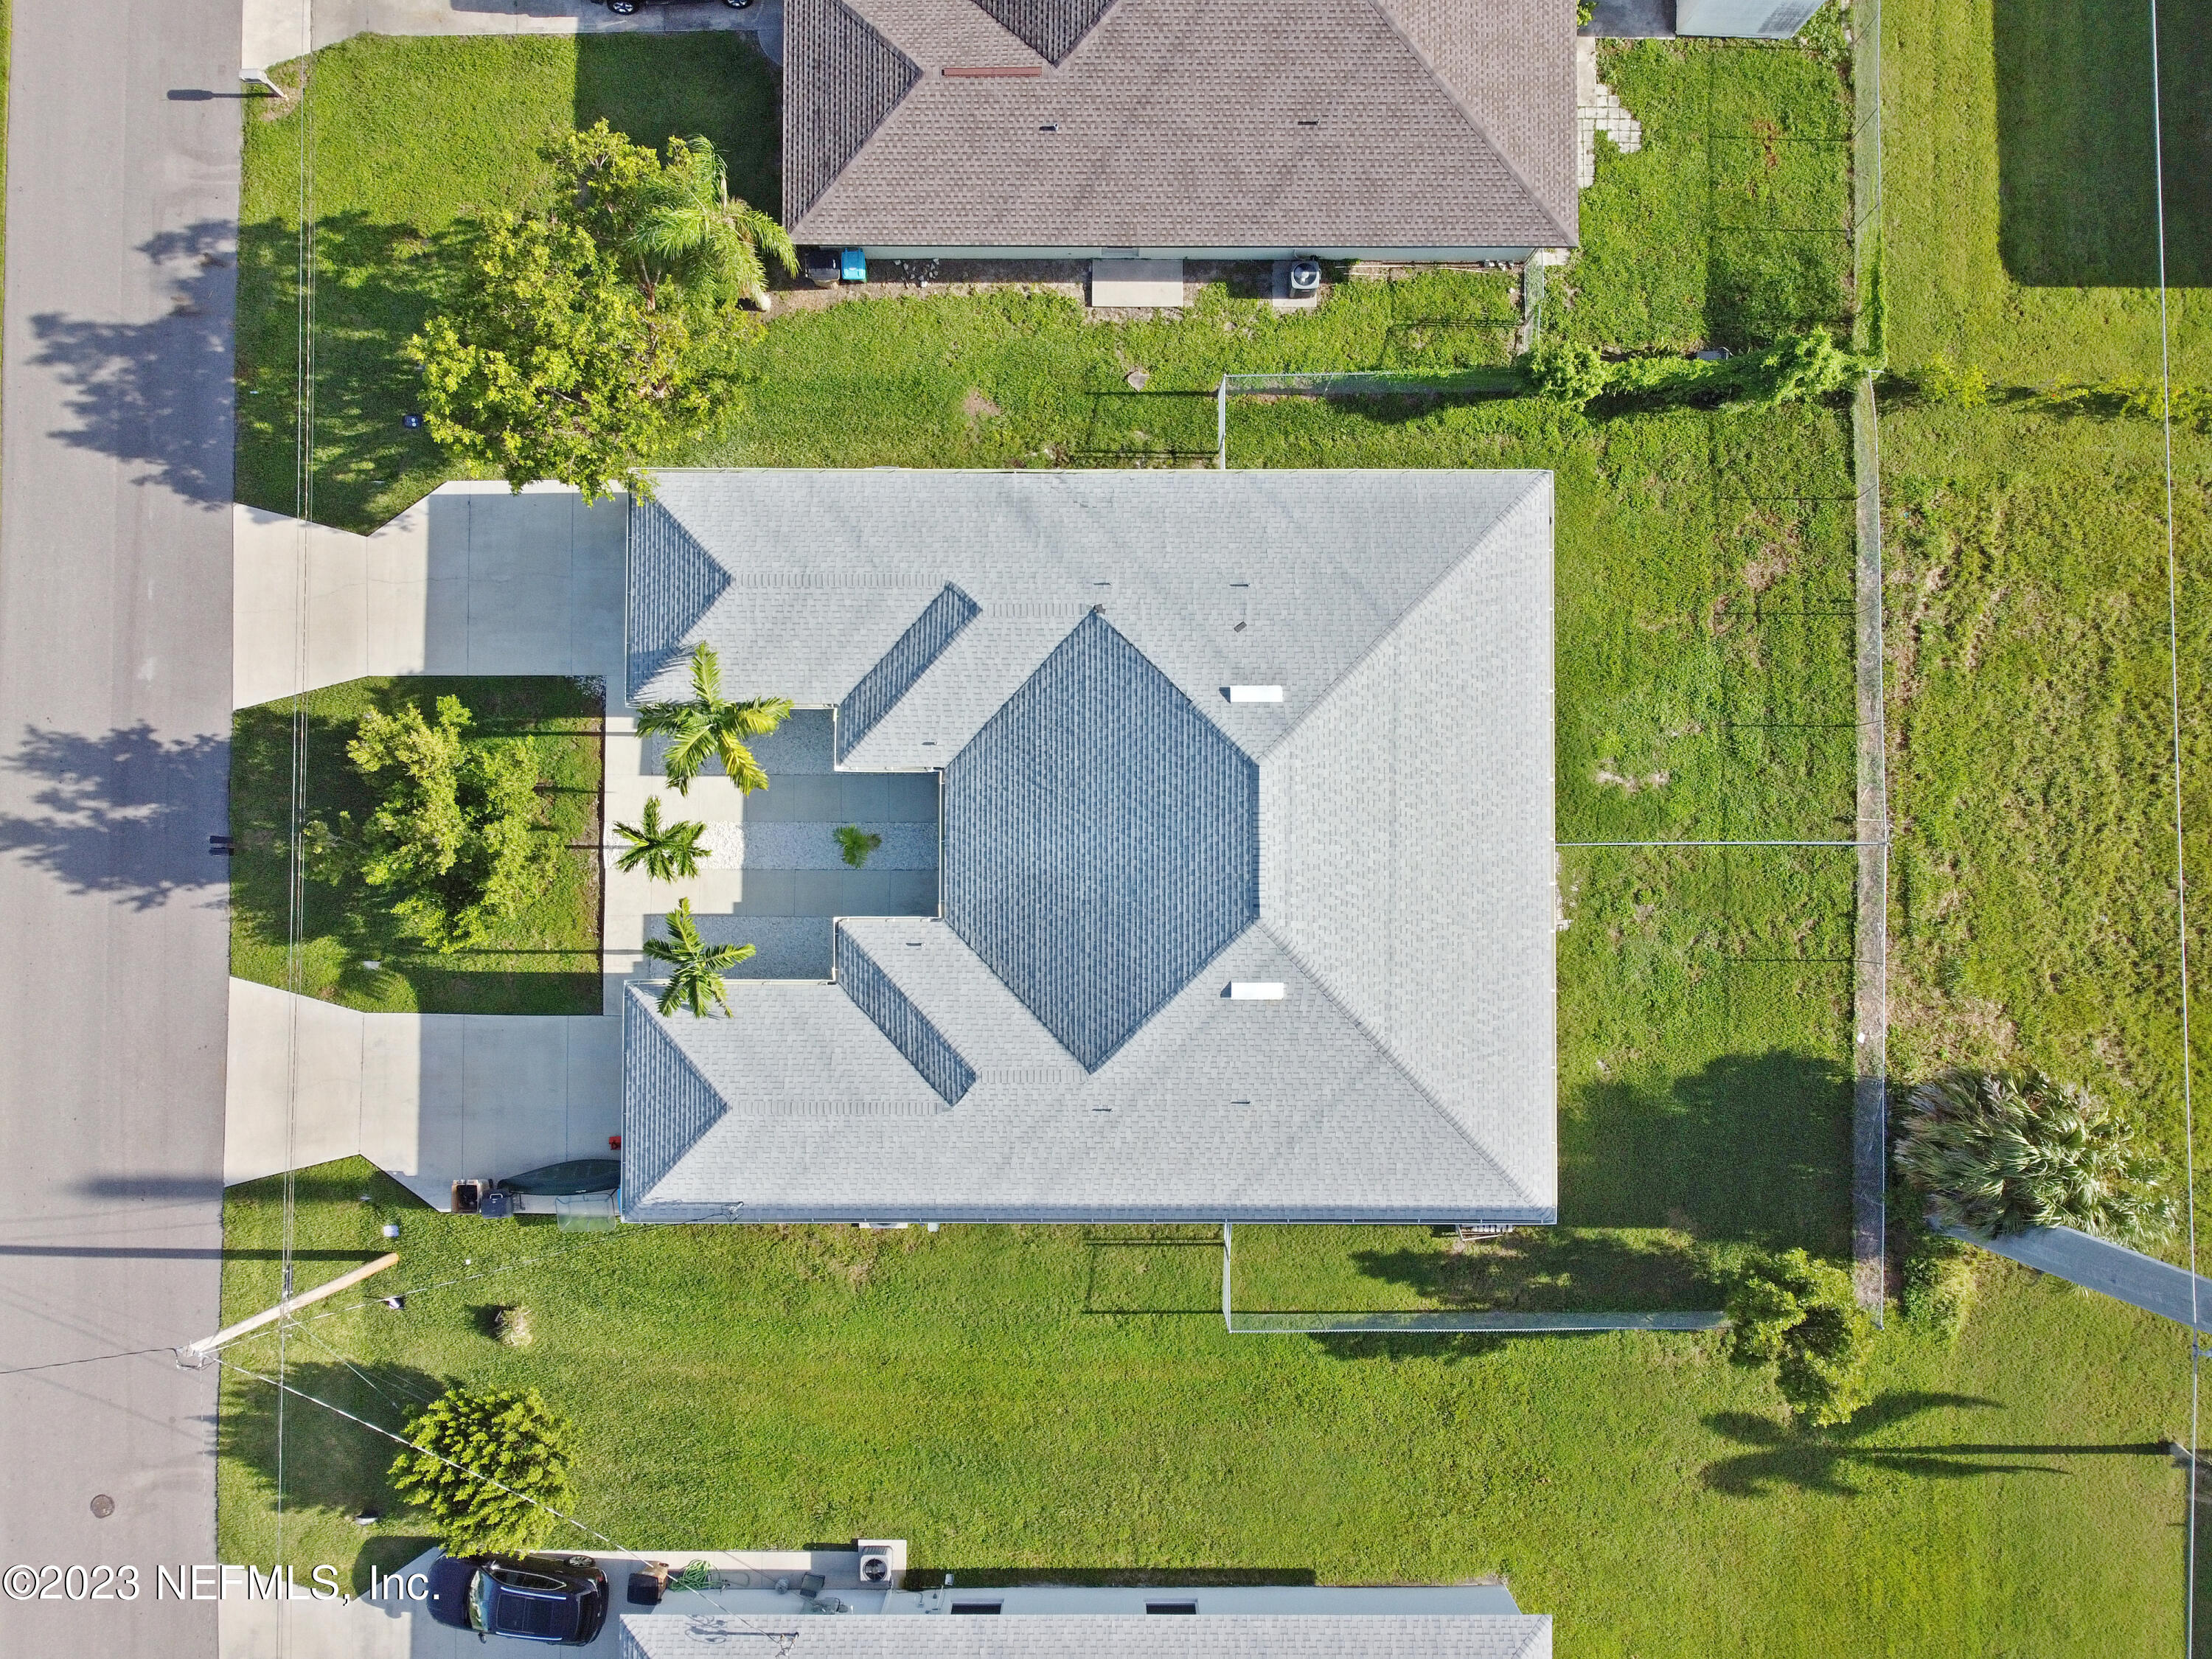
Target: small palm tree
{"x": 666, "y": 851}
{"x": 693, "y": 225}
{"x": 695, "y": 968}
{"x": 1997, "y": 1155}
{"x": 708, "y": 725}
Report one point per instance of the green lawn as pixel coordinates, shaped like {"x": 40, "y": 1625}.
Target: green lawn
{"x": 1043, "y": 1400}
{"x": 1039, "y": 1398}
{"x": 1732, "y": 222}
{"x": 411, "y": 136}
{"x": 2033, "y": 920}
{"x": 544, "y": 960}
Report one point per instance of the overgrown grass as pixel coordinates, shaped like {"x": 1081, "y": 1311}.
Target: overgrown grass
{"x": 543, "y": 960}
{"x": 1732, "y": 224}
{"x": 2034, "y": 920}
{"x": 1043, "y": 1401}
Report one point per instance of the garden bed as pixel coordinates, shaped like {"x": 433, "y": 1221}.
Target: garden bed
{"x": 543, "y": 960}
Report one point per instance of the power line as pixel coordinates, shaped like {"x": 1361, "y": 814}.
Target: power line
{"x": 477, "y": 1475}
{"x": 2180, "y": 839}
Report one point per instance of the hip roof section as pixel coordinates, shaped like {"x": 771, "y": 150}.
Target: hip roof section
{"x": 1263, "y": 123}
{"x": 1124, "y": 842}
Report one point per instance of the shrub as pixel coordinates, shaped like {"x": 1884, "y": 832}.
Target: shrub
{"x": 1994, "y": 1155}
{"x": 1799, "y": 1315}
{"x": 1943, "y": 381}
{"x": 1939, "y": 1283}
{"x": 512, "y": 1435}
{"x": 1567, "y": 373}
{"x": 512, "y": 1327}
{"x": 453, "y": 837}
{"x": 858, "y": 843}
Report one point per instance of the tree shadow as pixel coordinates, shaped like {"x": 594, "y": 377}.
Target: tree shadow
{"x": 2077, "y": 188}
{"x": 127, "y": 814}
{"x": 1751, "y": 1147}
{"x": 329, "y": 1463}
{"x": 1553, "y": 1270}
{"x": 1452, "y": 1347}
{"x": 155, "y": 393}
{"x": 1818, "y": 1461}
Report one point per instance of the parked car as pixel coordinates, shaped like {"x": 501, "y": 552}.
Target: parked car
{"x": 625, "y": 7}
{"x": 562, "y": 1599}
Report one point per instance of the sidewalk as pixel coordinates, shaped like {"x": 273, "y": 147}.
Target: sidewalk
{"x": 277, "y": 31}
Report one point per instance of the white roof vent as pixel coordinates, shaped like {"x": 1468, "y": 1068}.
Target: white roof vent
{"x": 1255, "y": 694}
{"x": 1255, "y": 990}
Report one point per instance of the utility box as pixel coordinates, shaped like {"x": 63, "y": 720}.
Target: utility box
{"x": 1744, "y": 20}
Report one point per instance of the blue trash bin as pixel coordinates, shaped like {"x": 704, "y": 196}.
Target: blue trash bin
{"x": 853, "y": 265}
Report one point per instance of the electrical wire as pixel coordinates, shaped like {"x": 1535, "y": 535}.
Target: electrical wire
{"x": 2180, "y": 838}
{"x": 478, "y": 1476}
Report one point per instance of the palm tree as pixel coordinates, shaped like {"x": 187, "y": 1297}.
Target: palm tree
{"x": 708, "y": 725}
{"x": 693, "y": 225}
{"x": 695, "y": 968}
{"x": 1997, "y": 1155}
{"x": 665, "y": 851}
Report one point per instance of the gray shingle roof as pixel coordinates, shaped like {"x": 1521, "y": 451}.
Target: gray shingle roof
{"x": 1101, "y": 841}
{"x": 1050, "y": 28}
{"x": 1403, "y": 856}
{"x": 1201, "y": 123}
{"x": 875, "y": 994}
{"x": 1258, "y": 1636}
{"x": 854, "y": 77}
{"x": 907, "y": 661}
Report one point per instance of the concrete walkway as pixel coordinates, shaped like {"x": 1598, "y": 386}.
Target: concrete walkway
{"x": 2096, "y": 1264}
{"x": 429, "y": 1098}
{"x": 471, "y": 580}
{"x": 277, "y": 31}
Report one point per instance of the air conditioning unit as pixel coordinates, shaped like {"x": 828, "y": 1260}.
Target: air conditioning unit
{"x": 882, "y": 1562}
{"x": 1305, "y": 277}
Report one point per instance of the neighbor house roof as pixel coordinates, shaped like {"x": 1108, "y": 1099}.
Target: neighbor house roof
{"x": 1280, "y": 125}
{"x": 1121, "y": 841}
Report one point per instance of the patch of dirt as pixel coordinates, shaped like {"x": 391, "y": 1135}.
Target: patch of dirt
{"x": 976, "y": 406}
{"x": 1658, "y": 780}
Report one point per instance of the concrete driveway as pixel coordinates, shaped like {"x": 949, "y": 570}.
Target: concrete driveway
{"x": 277, "y": 31}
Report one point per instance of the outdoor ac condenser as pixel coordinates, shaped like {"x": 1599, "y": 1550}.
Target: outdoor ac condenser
{"x": 1744, "y": 20}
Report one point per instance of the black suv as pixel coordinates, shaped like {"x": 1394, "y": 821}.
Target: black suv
{"x": 625, "y": 7}
{"x": 537, "y": 1598}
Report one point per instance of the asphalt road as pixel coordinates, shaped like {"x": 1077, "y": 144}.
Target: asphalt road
{"x": 115, "y": 472}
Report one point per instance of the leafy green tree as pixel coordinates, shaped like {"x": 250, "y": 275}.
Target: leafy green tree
{"x": 692, "y": 228}
{"x": 513, "y": 1437}
{"x": 593, "y": 332}
{"x": 1995, "y": 1155}
{"x": 454, "y": 837}
{"x": 553, "y": 366}
{"x": 708, "y": 726}
{"x": 1799, "y": 1315}
{"x": 857, "y": 843}
{"x": 695, "y": 968}
{"x": 666, "y": 851}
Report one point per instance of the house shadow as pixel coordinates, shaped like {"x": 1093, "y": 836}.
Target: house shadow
{"x": 2077, "y": 186}
{"x": 1749, "y": 1148}
{"x": 157, "y": 394}
{"x": 1553, "y": 1270}
{"x": 127, "y": 814}
{"x": 1777, "y": 1454}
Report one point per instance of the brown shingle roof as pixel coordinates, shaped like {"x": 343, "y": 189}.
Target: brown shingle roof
{"x": 1266, "y": 124}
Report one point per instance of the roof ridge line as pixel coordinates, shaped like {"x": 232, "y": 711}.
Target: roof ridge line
{"x": 1451, "y": 93}
{"x": 1398, "y": 621}
{"x": 1396, "y": 1063}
